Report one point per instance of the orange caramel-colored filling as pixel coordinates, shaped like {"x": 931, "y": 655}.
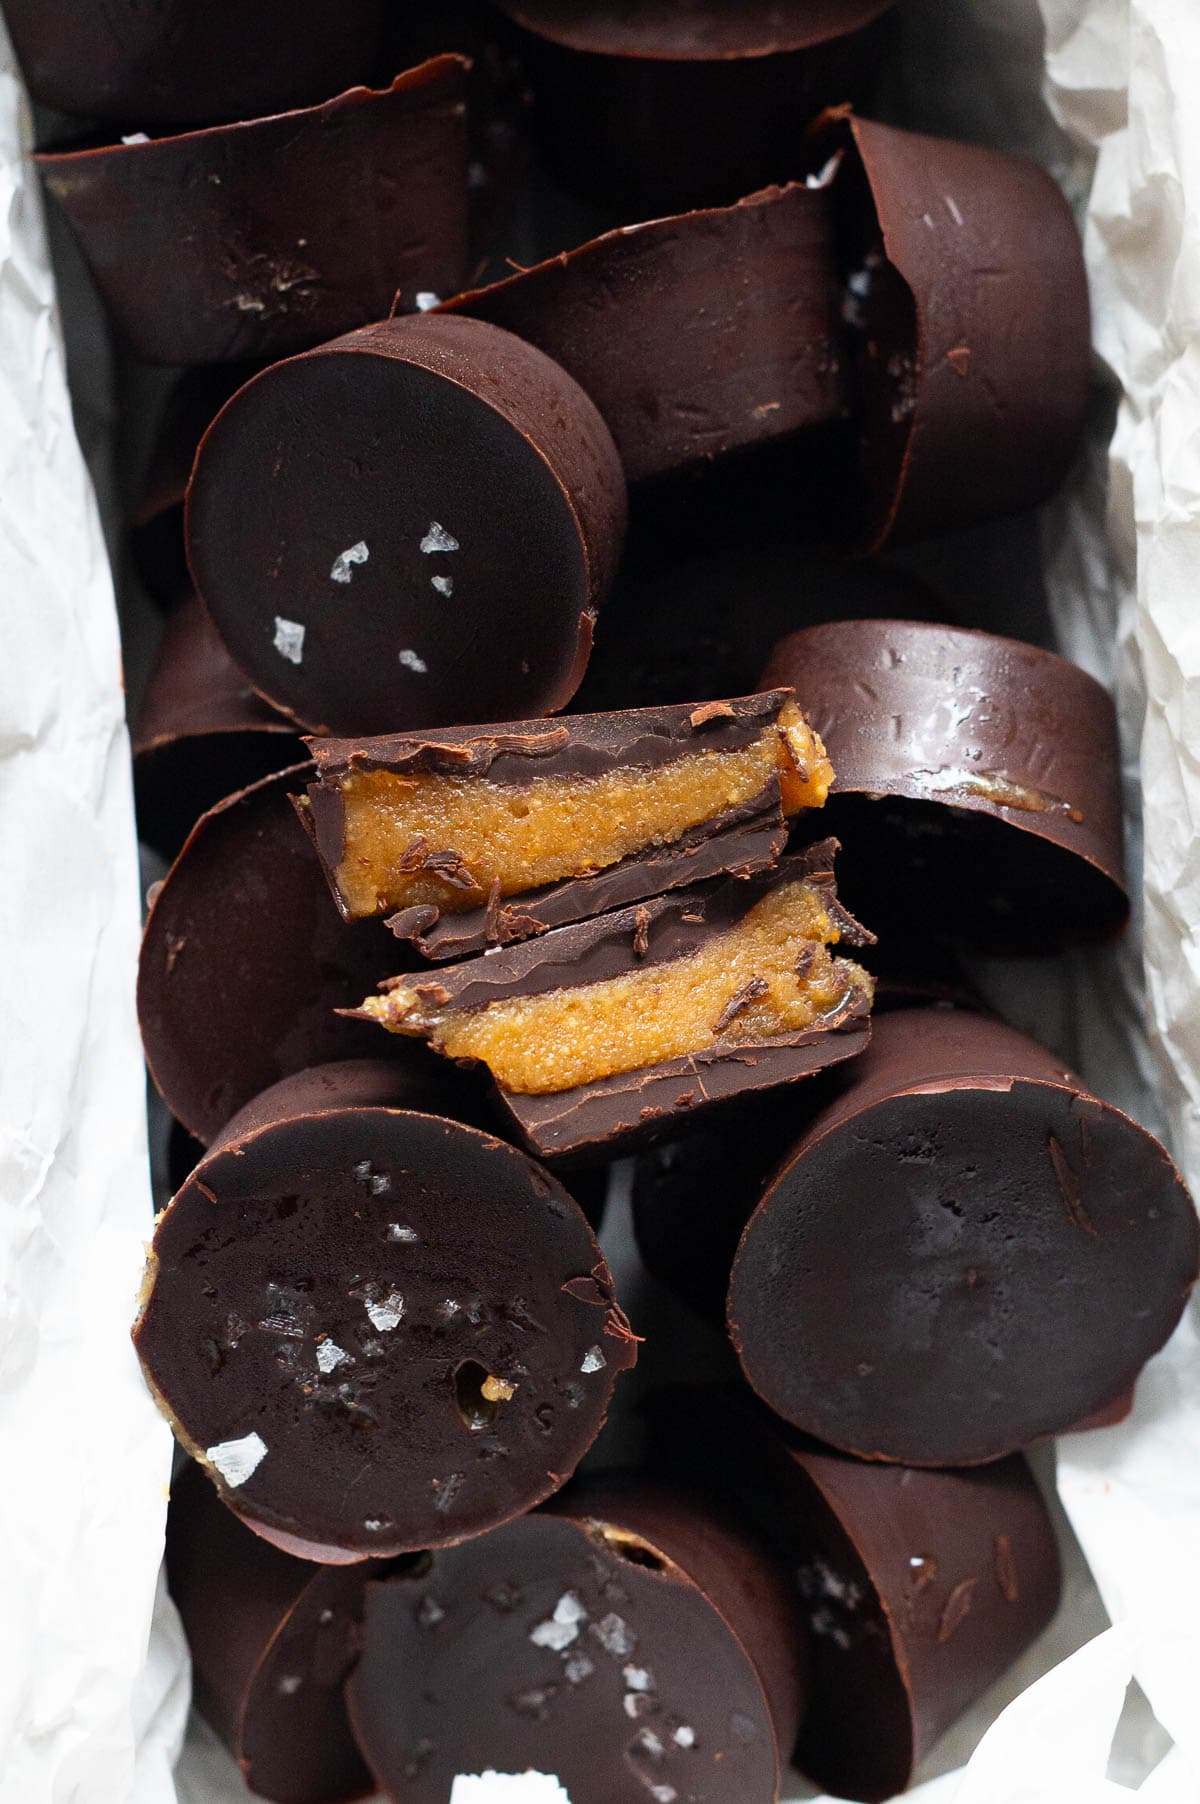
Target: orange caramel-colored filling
{"x": 770, "y": 974}
{"x": 552, "y": 827}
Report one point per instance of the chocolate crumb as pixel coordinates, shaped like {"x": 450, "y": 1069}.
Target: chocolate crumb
{"x": 741, "y": 999}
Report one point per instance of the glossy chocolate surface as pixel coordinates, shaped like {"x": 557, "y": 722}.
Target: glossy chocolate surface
{"x": 433, "y": 543}
{"x": 201, "y": 732}
{"x": 272, "y": 1639}
{"x": 697, "y": 335}
{"x": 918, "y": 1589}
{"x": 747, "y": 837}
{"x": 334, "y": 1293}
{"x": 978, "y": 766}
{"x": 967, "y": 286}
{"x": 964, "y": 1251}
{"x": 244, "y": 961}
{"x": 634, "y": 1642}
{"x": 689, "y": 102}
{"x": 257, "y": 239}
{"x": 174, "y": 63}
{"x": 635, "y": 1106}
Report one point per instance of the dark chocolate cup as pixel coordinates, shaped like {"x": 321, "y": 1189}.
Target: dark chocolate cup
{"x": 965, "y": 1251}
{"x": 379, "y": 1330}
{"x": 969, "y": 294}
{"x": 919, "y": 1589}
{"x": 668, "y": 106}
{"x": 439, "y": 536}
{"x": 968, "y": 766}
{"x": 244, "y": 960}
{"x": 631, "y": 1640}
{"x": 201, "y": 732}
{"x": 176, "y": 63}
{"x": 697, "y": 335}
{"x": 272, "y": 1639}
{"x": 259, "y": 239}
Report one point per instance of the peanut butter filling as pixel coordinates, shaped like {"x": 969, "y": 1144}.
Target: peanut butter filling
{"x": 448, "y": 840}
{"x": 771, "y": 974}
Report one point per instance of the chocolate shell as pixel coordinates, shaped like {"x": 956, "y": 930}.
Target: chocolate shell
{"x": 697, "y": 335}
{"x": 244, "y": 961}
{"x": 747, "y": 837}
{"x": 378, "y": 1329}
{"x": 631, "y": 1640}
{"x": 272, "y": 1639}
{"x": 258, "y": 239}
{"x": 965, "y": 1251}
{"x": 174, "y": 63}
{"x": 613, "y": 1115}
{"x": 969, "y": 307}
{"x": 919, "y": 1589}
{"x": 978, "y": 767}
{"x": 677, "y": 103}
{"x": 201, "y": 732}
{"x": 434, "y": 543}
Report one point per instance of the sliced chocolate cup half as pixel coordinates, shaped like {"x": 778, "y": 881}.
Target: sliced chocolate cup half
{"x": 257, "y": 239}
{"x": 378, "y": 1330}
{"x": 697, "y": 335}
{"x": 919, "y": 1589}
{"x": 968, "y": 306}
{"x": 434, "y": 544}
{"x": 175, "y": 64}
{"x": 965, "y": 1251}
{"x": 973, "y": 765}
{"x": 201, "y": 732}
{"x": 633, "y": 1642}
{"x": 272, "y": 1639}
{"x": 479, "y": 836}
{"x": 619, "y": 1028}
{"x": 680, "y": 103}
{"x": 244, "y": 961}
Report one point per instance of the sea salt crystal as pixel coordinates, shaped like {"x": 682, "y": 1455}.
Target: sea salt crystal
{"x": 593, "y": 1360}
{"x": 289, "y": 639}
{"x": 413, "y": 661}
{"x": 237, "y": 1460}
{"x": 438, "y": 539}
{"x": 329, "y": 1355}
{"x": 426, "y": 299}
{"x": 386, "y": 1314}
{"x": 345, "y": 560}
{"x": 444, "y": 585}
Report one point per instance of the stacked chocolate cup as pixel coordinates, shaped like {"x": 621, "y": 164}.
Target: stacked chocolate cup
{"x": 433, "y": 952}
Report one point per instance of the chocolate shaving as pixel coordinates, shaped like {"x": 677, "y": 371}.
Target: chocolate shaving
{"x": 958, "y": 1607}
{"x": 710, "y": 711}
{"x": 503, "y": 925}
{"x": 641, "y": 932}
{"x": 414, "y": 855}
{"x": 809, "y": 954}
{"x": 959, "y": 359}
{"x": 1006, "y": 1570}
{"x": 447, "y": 864}
{"x": 586, "y": 1290}
{"x": 1069, "y": 1188}
{"x": 205, "y": 1191}
{"x": 741, "y": 999}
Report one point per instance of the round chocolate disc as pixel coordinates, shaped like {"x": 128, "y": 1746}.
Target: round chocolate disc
{"x": 409, "y": 527}
{"x": 379, "y": 1330}
{"x": 964, "y": 1252}
{"x": 633, "y": 1644}
{"x": 245, "y": 959}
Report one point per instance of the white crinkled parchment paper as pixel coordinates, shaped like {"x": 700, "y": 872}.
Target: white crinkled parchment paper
{"x": 84, "y": 1456}
{"x": 85, "y": 1716}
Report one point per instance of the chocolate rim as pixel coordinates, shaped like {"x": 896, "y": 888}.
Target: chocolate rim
{"x": 861, "y": 14}
{"x": 417, "y": 76}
